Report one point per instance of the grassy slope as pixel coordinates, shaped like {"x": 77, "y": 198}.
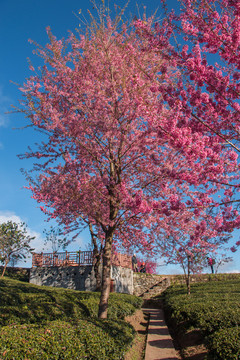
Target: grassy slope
{"x": 65, "y": 319}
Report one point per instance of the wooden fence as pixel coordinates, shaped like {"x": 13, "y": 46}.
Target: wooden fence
{"x": 76, "y": 258}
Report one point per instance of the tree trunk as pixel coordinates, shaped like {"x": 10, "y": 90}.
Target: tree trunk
{"x": 103, "y": 305}
{"x": 5, "y": 266}
{"x": 97, "y": 271}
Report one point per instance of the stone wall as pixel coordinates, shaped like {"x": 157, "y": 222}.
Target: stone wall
{"x": 71, "y": 277}
{"x": 80, "y": 278}
{"x": 142, "y": 282}
{"x": 123, "y": 278}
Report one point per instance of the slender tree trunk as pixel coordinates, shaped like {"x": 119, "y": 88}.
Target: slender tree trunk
{"x": 107, "y": 252}
{"x": 5, "y": 266}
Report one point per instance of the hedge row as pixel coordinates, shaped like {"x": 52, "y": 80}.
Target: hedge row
{"x": 214, "y": 309}
{"x": 225, "y": 344}
{"x": 52, "y": 323}
{"x": 26, "y": 303}
{"x": 63, "y": 340}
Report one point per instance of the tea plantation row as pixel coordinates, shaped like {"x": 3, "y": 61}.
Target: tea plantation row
{"x": 41, "y": 323}
{"x": 214, "y": 309}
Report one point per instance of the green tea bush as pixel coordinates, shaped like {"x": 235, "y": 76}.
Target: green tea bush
{"x": 225, "y": 344}
{"x": 21, "y": 274}
{"x": 221, "y": 318}
{"x": 213, "y": 308}
{"x": 26, "y": 303}
{"x": 131, "y": 299}
{"x": 58, "y": 324}
{"x": 58, "y": 340}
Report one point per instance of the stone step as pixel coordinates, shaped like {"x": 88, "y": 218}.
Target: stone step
{"x": 156, "y": 289}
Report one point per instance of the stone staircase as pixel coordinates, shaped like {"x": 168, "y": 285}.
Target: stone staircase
{"x": 156, "y": 289}
{"x": 148, "y": 286}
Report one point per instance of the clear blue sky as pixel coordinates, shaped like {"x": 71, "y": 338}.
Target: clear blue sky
{"x": 19, "y": 22}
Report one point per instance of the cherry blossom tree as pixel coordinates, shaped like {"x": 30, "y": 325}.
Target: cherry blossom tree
{"x": 94, "y": 112}
{"x": 202, "y": 44}
{"x": 186, "y": 238}
{"x": 117, "y": 152}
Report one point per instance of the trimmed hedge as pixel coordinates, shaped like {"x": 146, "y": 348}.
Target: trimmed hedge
{"x": 16, "y": 273}
{"x": 213, "y": 308}
{"x": 59, "y": 340}
{"x": 23, "y": 303}
{"x": 40, "y": 322}
{"x": 225, "y": 344}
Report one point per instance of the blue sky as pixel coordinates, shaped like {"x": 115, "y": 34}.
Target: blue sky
{"x": 19, "y": 22}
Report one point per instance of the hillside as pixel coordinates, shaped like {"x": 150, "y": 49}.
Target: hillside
{"x": 53, "y": 323}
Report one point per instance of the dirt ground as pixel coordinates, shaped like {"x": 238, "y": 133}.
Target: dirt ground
{"x": 189, "y": 345}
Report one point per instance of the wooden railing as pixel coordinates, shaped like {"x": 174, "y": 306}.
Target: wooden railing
{"x": 76, "y": 258}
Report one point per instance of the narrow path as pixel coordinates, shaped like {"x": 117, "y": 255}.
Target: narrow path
{"x": 159, "y": 345}
{"x": 159, "y": 342}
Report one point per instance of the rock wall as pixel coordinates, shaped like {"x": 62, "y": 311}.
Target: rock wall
{"x": 144, "y": 282}
{"x": 123, "y": 279}
{"x": 71, "y": 277}
{"x": 80, "y": 278}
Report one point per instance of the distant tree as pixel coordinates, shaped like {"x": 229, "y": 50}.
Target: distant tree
{"x": 55, "y": 238}
{"x": 13, "y": 262}
{"x": 187, "y": 239}
{"x": 14, "y": 242}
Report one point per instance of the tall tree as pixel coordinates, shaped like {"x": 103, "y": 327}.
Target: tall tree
{"x": 94, "y": 114}
{"x": 14, "y": 242}
{"x": 114, "y": 155}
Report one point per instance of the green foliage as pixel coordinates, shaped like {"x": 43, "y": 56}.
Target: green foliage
{"x": 54, "y": 323}
{"x": 21, "y": 274}
{"x": 225, "y": 344}
{"x": 212, "y": 307}
{"x": 14, "y": 242}
{"x": 85, "y": 339}
{"x": 26, "y": 303}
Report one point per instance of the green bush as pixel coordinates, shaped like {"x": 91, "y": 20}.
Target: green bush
{"x": 213, "y": 308}
{"x": 40, "y": 322}
{"x": 221, "y": 318}
{"x": 58, "y": 340}
{"x": 225, "y": 344}
{"x": 26, "y": 303}
{"x": 21, "y": 274}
